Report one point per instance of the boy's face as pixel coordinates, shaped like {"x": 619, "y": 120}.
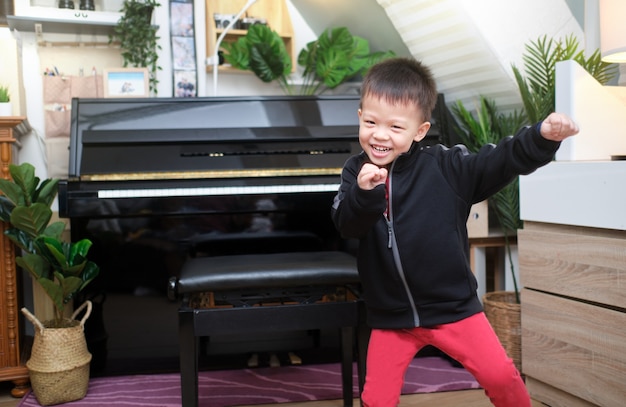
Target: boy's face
{"x": 387, "y": 130}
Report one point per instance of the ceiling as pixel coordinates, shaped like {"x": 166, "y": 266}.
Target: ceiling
{"x": 469, "y": 45}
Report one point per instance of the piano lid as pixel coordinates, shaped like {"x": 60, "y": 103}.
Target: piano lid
{"x": 176, "y": 136}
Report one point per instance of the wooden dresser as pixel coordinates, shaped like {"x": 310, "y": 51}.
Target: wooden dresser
{"x": 12, "y": 367}
{"x": 572, "y": 255}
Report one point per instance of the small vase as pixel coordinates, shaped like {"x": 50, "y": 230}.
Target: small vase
{"x": 6, "y": 109}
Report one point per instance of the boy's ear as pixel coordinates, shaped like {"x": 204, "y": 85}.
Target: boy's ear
{"x": 421, "y": 132}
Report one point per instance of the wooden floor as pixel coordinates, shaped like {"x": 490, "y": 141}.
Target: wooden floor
{"x": 465, "y": 398}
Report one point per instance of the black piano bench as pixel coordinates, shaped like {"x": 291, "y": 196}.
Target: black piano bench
{"x": 279, "y": 292}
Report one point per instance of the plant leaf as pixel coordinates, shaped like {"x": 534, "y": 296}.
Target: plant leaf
{"x": 31, "y": 219}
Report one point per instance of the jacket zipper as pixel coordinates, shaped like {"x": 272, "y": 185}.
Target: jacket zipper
{"x": 391, "y": 244}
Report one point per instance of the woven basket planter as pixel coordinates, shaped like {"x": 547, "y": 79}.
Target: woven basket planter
{"x": 504, "y": 314}
{"x": 59, "y": 361}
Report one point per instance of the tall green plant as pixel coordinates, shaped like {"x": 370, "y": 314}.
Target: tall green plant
{"x": 488, "y": 125}
{"x": 138, "y": 37}
{"x": 537, "y": 86}
{"x": 61, "y": 268}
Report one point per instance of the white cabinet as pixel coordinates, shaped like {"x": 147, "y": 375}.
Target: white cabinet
{"x": 45, "y": 16}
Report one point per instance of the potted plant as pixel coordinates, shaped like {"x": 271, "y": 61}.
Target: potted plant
{"x": 137, "y": 37}
{"x": 488, "y": 125}
{"x": 334, "y": 58}
{"x": 263, "y": 52}
{"x": 5, "y": 101}
{"x": 59, "y": 362}
{"x": 537, "y": 88}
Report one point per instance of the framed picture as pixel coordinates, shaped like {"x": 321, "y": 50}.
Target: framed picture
{"x": 6, "y": 8}
{"x": 125, "y": 82}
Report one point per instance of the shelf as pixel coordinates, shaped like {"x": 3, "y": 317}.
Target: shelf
{"x": 65, "y": 21}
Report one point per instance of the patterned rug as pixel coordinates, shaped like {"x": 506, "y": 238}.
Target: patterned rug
{"x": 262, "y": 385}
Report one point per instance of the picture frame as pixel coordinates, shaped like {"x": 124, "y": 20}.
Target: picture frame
{"x": 6, "y": 8}
{"x": 125, "y": 82}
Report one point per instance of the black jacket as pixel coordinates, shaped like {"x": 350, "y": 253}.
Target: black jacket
{"x": 414, "y": 267}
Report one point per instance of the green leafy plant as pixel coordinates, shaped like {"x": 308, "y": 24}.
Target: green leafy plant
{"x": 537, "y": 88}
{"x": 488, "y": 125}
{"x": 263, "y": 52}
{"x": 334, "y": 58}
{"x": 5, "y": 96}
{"x": 61, "y": 268}
{"x": 138, "y": 37}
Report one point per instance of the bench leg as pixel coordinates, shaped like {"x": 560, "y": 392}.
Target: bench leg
{"x": 347, "y": 338}
{"x": 362, "y": 340}
{"x": 188, "y": 353}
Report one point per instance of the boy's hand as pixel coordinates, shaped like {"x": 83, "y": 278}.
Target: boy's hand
{"x": 370, "y": 176}
{"x": 558, "y": 127}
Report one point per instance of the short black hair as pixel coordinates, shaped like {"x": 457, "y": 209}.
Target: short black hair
{"x": 402, "y": 80}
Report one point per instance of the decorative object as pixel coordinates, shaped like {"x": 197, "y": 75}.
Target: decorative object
{"x": 334, "y": 58}
{"x": 138, "y": 37}
{"x": 182, "y": 34}
{"x": 502, "y": 309}
{"x": 60, "y": 268}
{"x": 6, "y": 9}
{"x": 297, "y": 384}
{"x": 59, "y": 360}
{"x": 126, "y": 82}
{"x": 6, "y": 109}
{"x": 263, "y": 52}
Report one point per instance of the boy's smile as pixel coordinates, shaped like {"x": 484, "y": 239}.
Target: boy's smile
{"x": 388, "y": 129}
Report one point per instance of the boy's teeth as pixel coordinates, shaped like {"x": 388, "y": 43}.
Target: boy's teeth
{"x": 380, "y": 148}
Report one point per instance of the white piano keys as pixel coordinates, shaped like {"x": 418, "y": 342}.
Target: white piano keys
{"x": 215, "y": 191}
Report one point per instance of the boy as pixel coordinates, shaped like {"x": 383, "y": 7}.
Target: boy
{"x": 408, "y": 206}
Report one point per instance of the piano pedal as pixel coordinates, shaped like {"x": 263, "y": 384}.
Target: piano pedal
{"x": 294, "y": 359}
{"x": 253, "y": 361}
{"x": 274, "y": 361}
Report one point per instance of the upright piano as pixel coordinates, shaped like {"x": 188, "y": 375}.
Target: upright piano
{"x": 154, "y": 180}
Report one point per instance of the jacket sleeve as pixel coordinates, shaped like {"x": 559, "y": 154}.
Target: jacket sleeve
{"x": 480, "y": 175}
{"x": 355, "y": 211}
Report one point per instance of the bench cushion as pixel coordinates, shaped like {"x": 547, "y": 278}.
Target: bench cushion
{"x": 267, "y": 270}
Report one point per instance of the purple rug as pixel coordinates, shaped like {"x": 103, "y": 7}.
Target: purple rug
{"x": 263, "y": 385}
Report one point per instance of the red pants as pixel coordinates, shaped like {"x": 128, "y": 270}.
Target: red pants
{"x": 471, "y": 341}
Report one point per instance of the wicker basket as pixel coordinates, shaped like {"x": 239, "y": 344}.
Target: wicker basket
{"x": 503, "y": 312}
{"x": 59, "y": 361}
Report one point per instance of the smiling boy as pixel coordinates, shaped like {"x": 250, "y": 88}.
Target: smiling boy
{"x": 408, "y": 206}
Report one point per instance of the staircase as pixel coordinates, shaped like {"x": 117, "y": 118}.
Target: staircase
{"x": 470, "y": 45}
